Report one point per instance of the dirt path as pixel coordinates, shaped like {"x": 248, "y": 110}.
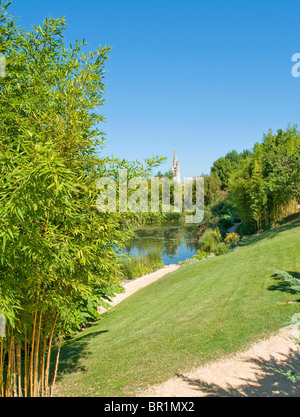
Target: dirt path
{"x": 245, "y": 374}
{"x": 233, "y": 228}
{"x": 132, "y": 286}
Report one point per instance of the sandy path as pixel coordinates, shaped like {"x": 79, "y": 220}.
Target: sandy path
{"x": 132, "y": 286}
{"x": 245, "y": 374}
{"x": 233, "y": 228}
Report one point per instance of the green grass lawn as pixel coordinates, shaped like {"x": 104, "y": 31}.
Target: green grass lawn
{"x": 197, "y": 314}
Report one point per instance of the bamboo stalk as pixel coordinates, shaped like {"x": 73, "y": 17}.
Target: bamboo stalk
{"x": 25, "y": 365}
{"x": 1, "y": 368}
{"x": 8, "y": 375}
{"x": 36, "y": 358}
{"x": 56, "y": 367}
{"x": 32, "y": 355}
{"x": 13, "y": 368}
{"x": 42, "y": 368}
{"x": 49, "y": 357}
{"x": 19, "y": 369}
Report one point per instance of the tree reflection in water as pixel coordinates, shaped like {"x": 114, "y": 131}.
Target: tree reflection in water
{"x": 176, "y": 243}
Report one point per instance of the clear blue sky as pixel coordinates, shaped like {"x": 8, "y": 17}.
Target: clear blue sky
{"x": 208, "y": 76}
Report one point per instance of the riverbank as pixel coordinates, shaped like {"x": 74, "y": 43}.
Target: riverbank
{"x": 130, "y": 287}
{"x": 195, "y": 316}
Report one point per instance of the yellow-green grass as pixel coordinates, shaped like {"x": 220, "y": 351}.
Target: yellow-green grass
{"x": 197, "y": 314}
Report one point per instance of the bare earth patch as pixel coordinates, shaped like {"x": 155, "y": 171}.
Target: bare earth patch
{"x": 244, "y": 374}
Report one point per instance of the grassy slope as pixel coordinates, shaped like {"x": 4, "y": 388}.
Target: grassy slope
{"x": 194, "y": 315}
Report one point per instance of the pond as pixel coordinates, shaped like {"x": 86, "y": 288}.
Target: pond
{"x": 176, "y": 243}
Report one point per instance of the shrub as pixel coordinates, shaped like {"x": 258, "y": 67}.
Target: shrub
{"x": 232, "y": 239}
{"x": 213, "y": 224}
{"x": 224, "y": 223}
{"x": 209, "y": 240}
{"x": 294, "y": 284}
{"x": 221, "y": 249}
{"x": 200, "y": 254}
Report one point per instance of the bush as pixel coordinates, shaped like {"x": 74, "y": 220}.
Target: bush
{"x": 225, "y": 222}
{"x": 221, "y": 249}
{"x": 173, "y": 217}
{"x": 246, "y": 229}
{"x": 200, "y": 254}
{"x": 294, "y": 284}
{"x": 213, "y": 224}
{"x": 232, "y": 239}
{"x": 209, "y": 240}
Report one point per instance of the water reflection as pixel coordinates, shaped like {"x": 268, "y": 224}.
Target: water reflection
{"x": 176, "y": 243}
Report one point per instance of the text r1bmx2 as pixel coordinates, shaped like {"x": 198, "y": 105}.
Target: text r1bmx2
{"x": 156, "y": 406}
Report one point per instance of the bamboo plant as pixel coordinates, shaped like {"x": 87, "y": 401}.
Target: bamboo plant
{"x": 58, "y": 256}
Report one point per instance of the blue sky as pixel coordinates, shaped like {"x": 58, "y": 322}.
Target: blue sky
{"x": 208, "y": 76}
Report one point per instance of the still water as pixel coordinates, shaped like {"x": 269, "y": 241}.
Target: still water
{"x": 176, "y": 243}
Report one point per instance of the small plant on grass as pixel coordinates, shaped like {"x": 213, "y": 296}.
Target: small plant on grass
{"x": 200, "y": 254}
{"x": 294, "y": 284}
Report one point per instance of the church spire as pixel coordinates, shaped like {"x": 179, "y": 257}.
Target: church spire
{"x": 175, "y": 159}
{"x": 176, "y": 167}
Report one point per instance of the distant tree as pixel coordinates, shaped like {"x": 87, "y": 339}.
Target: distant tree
{"x": 168, "y": 174}
{"x": 212, "y": 189}
{"x": 224, "y": 167}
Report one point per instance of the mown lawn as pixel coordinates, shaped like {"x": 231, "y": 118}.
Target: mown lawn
{"x": 194, "y": 315}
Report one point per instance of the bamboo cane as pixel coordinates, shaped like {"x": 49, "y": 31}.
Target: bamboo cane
{"x": 13, "y": 368}
{"x": 32, "y": 355}
{"x": 56, "y": 367}
{"x": 1, "y": 368}
{"x": 25, "y": 365}
{"x": 49, "y": 357}
{"x": 19, "y": 369}
{"x": 36, "y": 358}
{"x": 42, "y": 367}
{"x": 8, "y": 375}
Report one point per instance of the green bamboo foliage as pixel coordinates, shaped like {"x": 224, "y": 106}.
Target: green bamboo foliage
{"x": 266, "y": 187}
{"x": 58, "y": 256}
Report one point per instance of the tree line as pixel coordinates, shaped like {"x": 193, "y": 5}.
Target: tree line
{"x": 263, "y": 184}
